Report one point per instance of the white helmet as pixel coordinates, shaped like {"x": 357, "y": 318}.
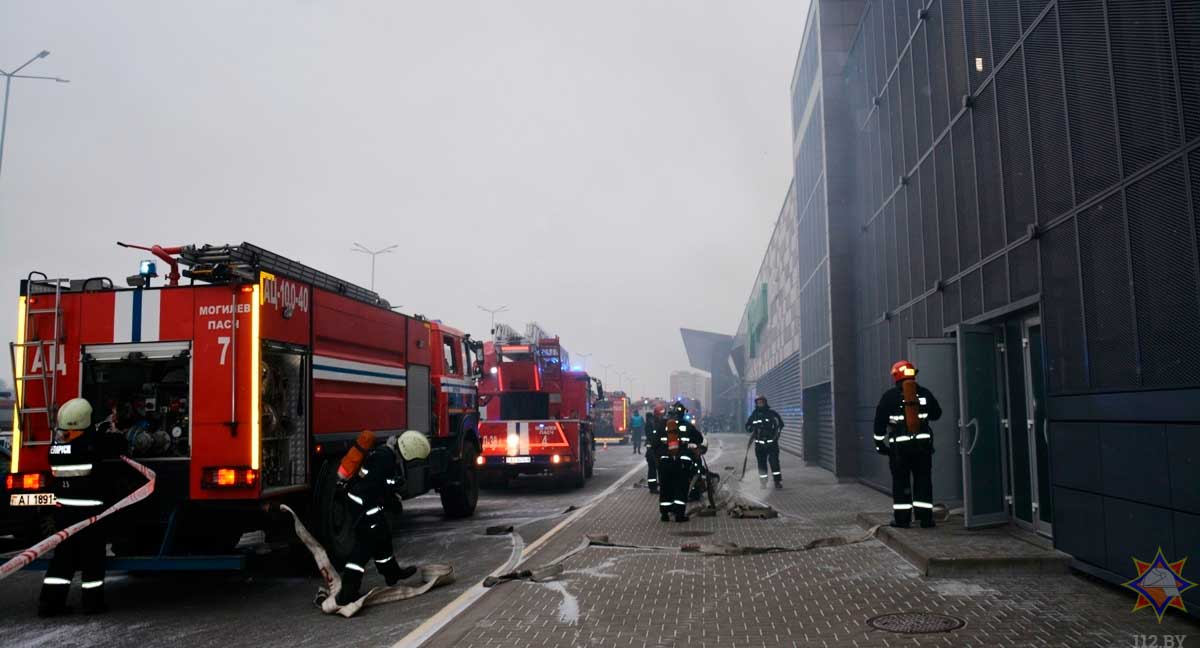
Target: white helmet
{"x": 75, "y": 414}
{"x": 410, "y": 445}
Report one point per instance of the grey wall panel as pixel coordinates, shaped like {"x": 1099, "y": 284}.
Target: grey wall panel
{"x": 1183, "y": 456}
{"x": 1187, "y": 543}
{"x": 1076, "y": 456}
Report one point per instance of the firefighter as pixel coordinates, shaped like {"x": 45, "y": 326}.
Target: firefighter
{"x": 680, "y": 446}
{"x": 907, "y": 441}
{"x": 765, "y": 425}
{"x": 653, "y": 420}
{"x": 636, "y": 423}
{"x": 374, "y": 487}
{"x": 79, "y": 487}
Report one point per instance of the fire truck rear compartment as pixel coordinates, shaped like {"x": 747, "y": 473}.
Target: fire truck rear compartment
{"x": 142, "y": 395}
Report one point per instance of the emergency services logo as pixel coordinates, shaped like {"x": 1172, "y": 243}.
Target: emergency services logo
{"x": 1159, "y": 585}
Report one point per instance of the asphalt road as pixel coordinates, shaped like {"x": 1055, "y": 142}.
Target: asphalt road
{"x": 271, "y": 604}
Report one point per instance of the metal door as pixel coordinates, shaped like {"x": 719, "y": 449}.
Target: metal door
{"x": 420, "y": 414}
{"x": 937, "y": 361}
{"x": 982, "y": 444}
{"x": 1036, "y": 426}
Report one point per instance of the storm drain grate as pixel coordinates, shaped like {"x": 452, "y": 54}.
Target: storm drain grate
{"x": 916, "y": 623}
{"x": 692, "y": 534}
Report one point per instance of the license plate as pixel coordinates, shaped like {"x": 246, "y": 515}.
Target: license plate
{"x": 31, "y": 499}
{"x": 514, "y": 460}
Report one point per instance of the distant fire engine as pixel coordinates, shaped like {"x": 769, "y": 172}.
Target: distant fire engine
{"x": 612, "y": 418}
{"x": 240, "y": 389}
{"x": 536, "y": 413}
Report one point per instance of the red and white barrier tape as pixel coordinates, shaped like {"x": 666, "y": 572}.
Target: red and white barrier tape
{"x": 40, "y": 549}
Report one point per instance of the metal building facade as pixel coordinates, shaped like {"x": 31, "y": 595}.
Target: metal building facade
{"x": 1026, "y": 177}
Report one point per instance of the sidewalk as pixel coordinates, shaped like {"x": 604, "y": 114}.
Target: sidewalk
{"x": 824, "y": 597}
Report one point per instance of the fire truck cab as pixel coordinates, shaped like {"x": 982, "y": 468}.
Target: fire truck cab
{"x": 240, "y": 389}
{"x": 536, "y": 414}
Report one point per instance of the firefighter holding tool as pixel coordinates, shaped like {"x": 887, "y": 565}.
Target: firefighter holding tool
{"x": 677, "y": 445}
{"x": 765, "y": 425}
{"x": 902, "y": 432}
{"x": 374, "y": 475}
{"x": 79, "y": 485}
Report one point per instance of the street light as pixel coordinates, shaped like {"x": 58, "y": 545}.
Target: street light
{"x": 362, "y": 249}
{"x": 8, "y": 77}
{"x": 606, "y": 368}
{"x": 493, "y": 312}
{"x": 585, "y": 356}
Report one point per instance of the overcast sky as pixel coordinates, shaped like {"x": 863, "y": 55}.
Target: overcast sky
{"x": 612, "y": 169}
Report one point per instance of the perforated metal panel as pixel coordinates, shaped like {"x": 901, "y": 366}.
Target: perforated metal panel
{"x": 903, "y": 267}
{"x": 818, "y": 422}
{"x": 1147, "y": 109}
{"x": 990, "y": 185}
{"x": 1185, "y": 18}
{"x": 922, "y": 91}
{"x": 995, "y": 284}
{"x": 972, "y": 295}
{"x": 1006, "y": 26}
{"x": 1051, "y": 159}
{"x": 947, "y": 214}
{"x": 1089, "y": 96}
{"x": 1014, "y": 148}
{"x": 956, "y": 52}
{"x": 1164, "y": 278}
{"x": 930, "y": 253}
{"x": 898, "y": 126}
{"x": 964, "y": 178}
{"x": 940, "y": 98}
{"x": 889, "y": 215}
{"x": 1062, "y": 313}
{"x": 1107, "y": 311}
{"x": 952, "y": 304}
{"x": 979, "y": 49}
{"x": 1023, "y": 271}
{"x": 933, "y": 311}
{"x": 908, "y": 112}
{"x": 1030, "y": 9}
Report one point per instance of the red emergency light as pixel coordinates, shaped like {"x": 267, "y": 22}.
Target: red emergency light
{"x": 228, "y": 477}
{"x": 25, "y": 481}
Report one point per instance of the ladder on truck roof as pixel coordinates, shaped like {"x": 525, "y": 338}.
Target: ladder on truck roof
{"x": 252, "y": 257}
{"x": 50, "y": 351}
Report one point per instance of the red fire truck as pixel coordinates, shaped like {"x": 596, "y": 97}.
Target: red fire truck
{"x": 241, "y": 388}
{"x": 536, "y": 413}
{"x": 612, "y": 418}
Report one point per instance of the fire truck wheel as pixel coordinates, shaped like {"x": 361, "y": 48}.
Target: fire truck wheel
{"x": 460, "y": 496}
{"x": 334, "y": 524}
{"x": 578, "y": 475}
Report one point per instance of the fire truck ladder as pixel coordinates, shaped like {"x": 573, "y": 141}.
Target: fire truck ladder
{"x": 49, "y": 350}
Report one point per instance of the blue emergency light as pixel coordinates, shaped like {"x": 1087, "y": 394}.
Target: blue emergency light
{"x": 148, "y": 269}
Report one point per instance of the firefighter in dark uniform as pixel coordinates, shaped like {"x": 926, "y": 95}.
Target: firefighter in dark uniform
{"x": 79, "y": 486}
{"x": 654, "y": 420}
{"x": 765, "y": 425}
{"x": 369, "y": 492}
{"x": 678, "y": 445}
{"x": 909, "y": 448}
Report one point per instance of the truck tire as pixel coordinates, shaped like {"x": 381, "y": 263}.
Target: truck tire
{"x": 334, "y": 522}
{"x": 578, "y": 475}
{"x": 460, "y": 496}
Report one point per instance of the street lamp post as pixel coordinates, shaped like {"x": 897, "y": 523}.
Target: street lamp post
{"x": 362, "y": 249}
{"x": 585, "y": 357}
{"x": 492, "y": 312}
{"x": 606, "y": 367}
{"x": 8, "y": 77}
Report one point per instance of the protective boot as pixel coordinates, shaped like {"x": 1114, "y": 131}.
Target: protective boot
{"x": 779, "y": 484}
{"x": 53, "y": 601}
{"x": 93, "y": 600}
{"x": 351, "y": 587}
{"x": 392, "y": 572}
{"x": 681, "y": 517}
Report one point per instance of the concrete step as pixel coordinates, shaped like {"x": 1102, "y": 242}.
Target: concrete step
{"x": 951, "y": 551}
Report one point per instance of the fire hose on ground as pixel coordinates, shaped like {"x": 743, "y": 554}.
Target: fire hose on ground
{"x": 42, "y": 548}
{"x": 432, "y": 575}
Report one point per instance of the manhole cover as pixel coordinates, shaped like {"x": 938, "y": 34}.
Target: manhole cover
{"x": 916, "y": 623}
{"x": 692, "y": 534}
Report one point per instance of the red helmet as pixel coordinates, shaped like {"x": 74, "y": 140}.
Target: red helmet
{"x": 903, "y": 370}
{"x": 660, "y": 409}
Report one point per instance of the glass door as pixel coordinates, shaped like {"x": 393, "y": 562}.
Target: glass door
{"x": 981, "y": 436}
{"x": 1037, "y": 427}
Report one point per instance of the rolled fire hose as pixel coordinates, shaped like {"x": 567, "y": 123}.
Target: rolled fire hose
{"x": 432, "y": 575}
{"x": 42, "y": 548}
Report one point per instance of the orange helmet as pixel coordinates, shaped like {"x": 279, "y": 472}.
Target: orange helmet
{"x": 672, "y": 425}
{"x": 903, "y": 370}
